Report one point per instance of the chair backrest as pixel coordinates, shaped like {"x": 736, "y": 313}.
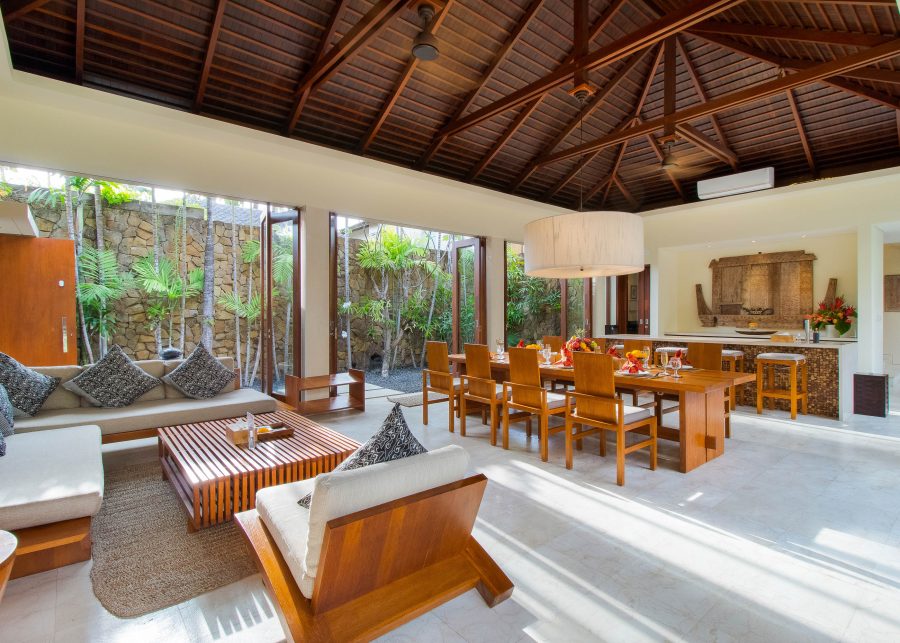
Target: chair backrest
{"x": 524, "y": 369}
{"x": 635, "y": 345}
{"x": 478, "y": 364}
{"x": 595, "y": 376}
{"x": 439, "y": 361}
{"x": 555, "y": 342}
{"x": 706, "y": 356}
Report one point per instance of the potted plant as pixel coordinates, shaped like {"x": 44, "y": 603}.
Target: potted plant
{"x": 837, "y": 316}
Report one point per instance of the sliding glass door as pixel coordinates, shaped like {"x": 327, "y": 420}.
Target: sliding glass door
{"x": 468, "y": 303}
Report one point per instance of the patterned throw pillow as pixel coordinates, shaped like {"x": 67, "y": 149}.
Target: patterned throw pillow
{"x": 393, "y": 441}
{"x": 201, "y": 376}
{"x": 6, "y": 419}
{"x": 27, "y": 389}
{"x": 113, "y": 382}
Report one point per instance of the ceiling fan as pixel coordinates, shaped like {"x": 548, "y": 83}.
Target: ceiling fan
{"x": 425, "y": 46}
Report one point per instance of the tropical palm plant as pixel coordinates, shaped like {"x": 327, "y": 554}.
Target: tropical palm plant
{"x": 101, "y": 286}
{"x": 165, "y": 288}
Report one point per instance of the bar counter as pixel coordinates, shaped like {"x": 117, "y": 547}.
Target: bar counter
{"x": 831, "y": 366}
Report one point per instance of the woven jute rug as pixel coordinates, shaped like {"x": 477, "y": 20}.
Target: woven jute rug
{"x": 145, "y": 559}
{"x": 411, "y": 400}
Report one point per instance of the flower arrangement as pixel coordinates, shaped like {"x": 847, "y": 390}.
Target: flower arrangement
{"x": 838, "y": 314}
{"x": 575, "y": 344}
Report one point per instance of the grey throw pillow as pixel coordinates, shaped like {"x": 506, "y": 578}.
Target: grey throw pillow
{"x": 113, "y": 382}
{"x": 27, "y": 389}
{"x": 201, "y": 376}
{"x": 393, "y": 441}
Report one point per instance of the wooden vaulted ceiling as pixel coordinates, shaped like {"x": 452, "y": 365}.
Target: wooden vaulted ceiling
{"x": 811, "y": 87}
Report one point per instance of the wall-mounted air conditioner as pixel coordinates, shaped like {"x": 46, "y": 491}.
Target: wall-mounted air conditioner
{"x": 761, "y": 179}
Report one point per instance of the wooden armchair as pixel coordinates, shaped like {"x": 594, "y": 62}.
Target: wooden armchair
{"x": 438, "y": 379}
{"x": 525, "y": 393}
{"x": 377, "y": 547}
{"x": 479, "y": 386}
{"x": 598, "y": 406}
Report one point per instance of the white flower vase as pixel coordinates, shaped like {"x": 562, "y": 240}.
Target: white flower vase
{"x": 830, "y": 331}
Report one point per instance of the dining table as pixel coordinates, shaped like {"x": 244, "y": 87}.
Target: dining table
{"x": 701, "y": 402}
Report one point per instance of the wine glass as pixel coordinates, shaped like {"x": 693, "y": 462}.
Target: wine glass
{"x": 664, "y": 360}
{"x": 675, "y": 363}
{"x": 501, "y": 349}
{"x": 545, "y": 351}
{"x": 646, "y": 352}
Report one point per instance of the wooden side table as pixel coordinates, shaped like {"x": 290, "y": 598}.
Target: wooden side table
{"x": 8, "y": 545}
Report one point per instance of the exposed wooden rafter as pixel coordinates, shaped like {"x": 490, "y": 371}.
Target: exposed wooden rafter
{"x": 595, "y": 29}
{"x": 80, "y": 11}
{"x": 498, "y": 58}
{"x": 671, "y": 24}
{"x": 738, "y": 98}
{"x": 691, "y": 134}
{"x": 657, "y": 150}
{"x": 844, "y": 38}
{"x": 15, "y": 9}
{"x": 411, "y": 65}
{"x": 210, "y": 54}
{"x": 794, "y": 64}
{"x": 368, "y": 27}
{"x": 801, "y": 130}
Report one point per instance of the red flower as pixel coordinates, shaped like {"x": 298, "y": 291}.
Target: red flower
{"x": 838, "y": 302}
{"x": 521, "y": 344}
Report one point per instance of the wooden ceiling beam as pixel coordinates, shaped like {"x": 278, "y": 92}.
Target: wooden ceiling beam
{"x": 691, "y": 134}
{"x": 595, "y": 30}
{"x": 625, "y": 192}
{"x": 580, "y": 27}
{"x": 801, "y": 130}
{"x": 593, "y": 104}
{"x": 844, "y": 38}
{"x": 210, "y": 54}
{"x": 362, "y": 33}
{"x": 504, "y": 138}
{"x": 15, "y": 9}
{"x": 411, "y": 65}
{"x": 698, "y": 87}
{"x": 861, "y": 3}
{"x": 80, "y": 11}
{"x": 739, "y": 98}
{"x": 794, "y": 64}
{"x": 672, "y": 23}
{"x": 498, "y": 58}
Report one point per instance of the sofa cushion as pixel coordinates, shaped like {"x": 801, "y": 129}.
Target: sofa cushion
{"x": 113, "y": 382}
{"x": 174, "y": 393}
{"x": 392, "y": 441}
{"x": 27, "y": 389}
{"x": 201, "y": 376}
{"x": 7, "y": 421}
{"x": 61, "y": 398}
{"x": 288, "y": 523}
{"x": 154, "y": 414}
{"x": 341, "y": 493}
{"x": 50, "y": 476}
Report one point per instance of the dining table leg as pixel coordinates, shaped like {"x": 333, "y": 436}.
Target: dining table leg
{"x": 701, "y": 427}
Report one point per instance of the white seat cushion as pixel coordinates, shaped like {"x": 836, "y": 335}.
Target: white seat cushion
{"x": 619, "y": 347}
{"x": 732, "y": 353}
{"x": 635, "y": 413}
{"x": 49, "y": 476}
{"x": 784, "y": 356}
{"x": 555, "y": 400}
{"x": 671, "y": 349}
{"x": 152, "y": 414}
{"x": 344, "y": 492}
{"x": 288, "y": 523}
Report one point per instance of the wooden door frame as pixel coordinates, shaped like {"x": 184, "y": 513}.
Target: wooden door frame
{"x": 479, "y": 268}
{"x": 622, "y": 292}
{"x": 333, "y": 321}
{"x": 294, "y": 216}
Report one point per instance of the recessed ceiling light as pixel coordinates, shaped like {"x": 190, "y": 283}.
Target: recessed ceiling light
{"x": 754, "y": 241}
{"x": 803, "y": 236}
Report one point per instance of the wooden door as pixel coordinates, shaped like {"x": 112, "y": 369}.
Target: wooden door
{"x": 469, "y": 304}
{"x": 38, "y": 326}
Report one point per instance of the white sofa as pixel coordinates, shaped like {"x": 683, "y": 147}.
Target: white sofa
{"x": 162, "y": 406}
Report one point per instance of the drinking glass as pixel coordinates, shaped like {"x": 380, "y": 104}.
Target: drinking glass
{"x": 646, "y": 352}
{"x": 664, "y": 359}
{"x": 501, "y": 349}
{"x": 545, "y": 351}
{"x": 675, "y": 363}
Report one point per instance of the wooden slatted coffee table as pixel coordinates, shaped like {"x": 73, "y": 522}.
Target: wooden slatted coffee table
{"x": 216, "y": 479}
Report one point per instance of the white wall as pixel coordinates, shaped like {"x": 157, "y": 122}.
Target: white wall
{"x": 835, "y": 257}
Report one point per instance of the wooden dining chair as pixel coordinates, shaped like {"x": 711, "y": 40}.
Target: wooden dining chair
{"x": 479, "y": 386}
{"x": 437, "y": 378}
{"x": 555, "y": 342}
{"x": 524, "y": 393}
{"x": 709, "y": 357}
{"x": 597, "y": 406}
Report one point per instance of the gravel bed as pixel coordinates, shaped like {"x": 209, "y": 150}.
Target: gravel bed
{"x": 406, "y": 379}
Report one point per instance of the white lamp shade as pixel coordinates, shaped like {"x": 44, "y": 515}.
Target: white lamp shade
{"x": 584, "y": 244}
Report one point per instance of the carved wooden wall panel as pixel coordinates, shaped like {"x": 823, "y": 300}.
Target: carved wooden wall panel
{"x": 892, "y": 293}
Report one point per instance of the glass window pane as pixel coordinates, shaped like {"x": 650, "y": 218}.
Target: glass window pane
{"x": 532, "y": 303}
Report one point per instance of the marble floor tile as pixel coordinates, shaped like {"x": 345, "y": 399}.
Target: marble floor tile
{"x": 792, "y": 535}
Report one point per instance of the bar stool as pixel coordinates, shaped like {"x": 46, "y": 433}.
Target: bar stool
{"x": 765, "y": 381}
{"x": 733, "y": 360}
{"x": 668, "y": 350}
